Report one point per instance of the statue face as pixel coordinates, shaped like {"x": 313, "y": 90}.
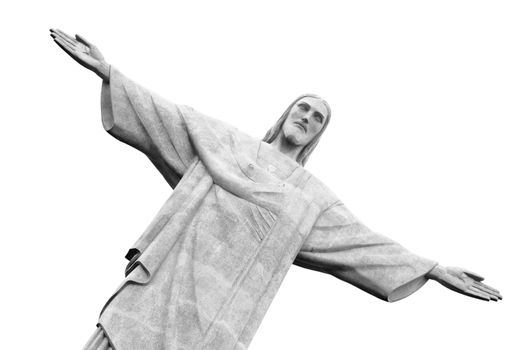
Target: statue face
{"x": 305, "y": 120}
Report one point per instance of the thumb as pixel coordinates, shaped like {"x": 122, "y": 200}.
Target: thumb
{"x": 83, "y": 40}
{"x": 474, "y": 276}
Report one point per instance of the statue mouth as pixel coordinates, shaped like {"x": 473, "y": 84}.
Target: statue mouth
{"x": 302, "y": 126}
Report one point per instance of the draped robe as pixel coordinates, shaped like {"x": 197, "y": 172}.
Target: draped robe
{"x": 240, "y": 214}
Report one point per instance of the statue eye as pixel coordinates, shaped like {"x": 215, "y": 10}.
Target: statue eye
{"x": 303, "y": 106}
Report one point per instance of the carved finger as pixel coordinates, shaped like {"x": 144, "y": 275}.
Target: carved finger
{"x": 76, "y": 47}
{"x": 71, "y": 47}
{"x": 489, "y": 294}
{"x": 489, "y": 290}
{"x": 69, "y": 41}
{"x": 486, "y": 286}
{"x": 64, "y": 45}
{"x": 71, "y": 52}
{"x": 59, "y": 34}
{"x": 54, "y": 34}
{"x": 486, "y": 290}
{"x": 62, "y": 34}
{"x": 65, "y": 35}
{"x": 477, "y": 294}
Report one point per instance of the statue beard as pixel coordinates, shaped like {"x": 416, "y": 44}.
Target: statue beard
{"x": 291, "y": 138}
{"x": 293, "y": 141}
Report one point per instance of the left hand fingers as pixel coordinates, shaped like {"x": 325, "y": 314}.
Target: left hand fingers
{"x": 486, "y": 286}
{"x": 477, "y": 294}
{"x": 490, "y": 295}
{"x": 487, "y": 289}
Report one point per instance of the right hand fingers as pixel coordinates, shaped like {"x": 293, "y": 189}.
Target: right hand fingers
{"x": 80, "y": 52}
{"x": 71, "y": 52}
{"x": 67, "y": 49}
{"x": 64, "y": 36}
{"x": 75, "y": 46}
{"x": 65, "y": 45}
{"x": 81, "y": 45}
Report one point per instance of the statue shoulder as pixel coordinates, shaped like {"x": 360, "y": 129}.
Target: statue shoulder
{"x": 321, "y": 193}
{"x": 215, "y": 130}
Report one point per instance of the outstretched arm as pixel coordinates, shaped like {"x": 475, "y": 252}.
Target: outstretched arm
{"x": 342, "y": 246}
{"x": 82, "y": 51}
{"x": 135, "y": 115}
{"x": 464, "y": 282}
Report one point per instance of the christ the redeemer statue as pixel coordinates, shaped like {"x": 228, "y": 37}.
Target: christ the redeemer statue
{"x": 242, "y": 211}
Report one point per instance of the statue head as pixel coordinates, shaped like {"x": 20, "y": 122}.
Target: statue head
{"x": 302, "y": 124}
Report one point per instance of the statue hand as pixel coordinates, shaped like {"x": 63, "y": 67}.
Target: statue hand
{"x": 85, "y": 53}
{"x": 464, "y": 282}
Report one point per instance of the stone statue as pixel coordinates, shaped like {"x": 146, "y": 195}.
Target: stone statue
{"x": 242, "y": 210}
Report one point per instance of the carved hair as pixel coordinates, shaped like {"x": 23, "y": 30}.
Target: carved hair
{"x": 272, "y": 134}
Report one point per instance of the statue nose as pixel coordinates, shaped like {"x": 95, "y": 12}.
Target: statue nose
{"x": 304, "y": 120}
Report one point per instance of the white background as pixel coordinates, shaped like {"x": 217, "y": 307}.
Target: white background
{"x": 426, "y": 146}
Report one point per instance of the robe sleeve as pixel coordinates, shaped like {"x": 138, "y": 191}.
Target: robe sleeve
{"x": 148, "y": 123}
{"x": 342, "y": 246}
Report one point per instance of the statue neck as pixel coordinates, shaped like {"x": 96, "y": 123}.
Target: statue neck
{"x": 286, "y": 147}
